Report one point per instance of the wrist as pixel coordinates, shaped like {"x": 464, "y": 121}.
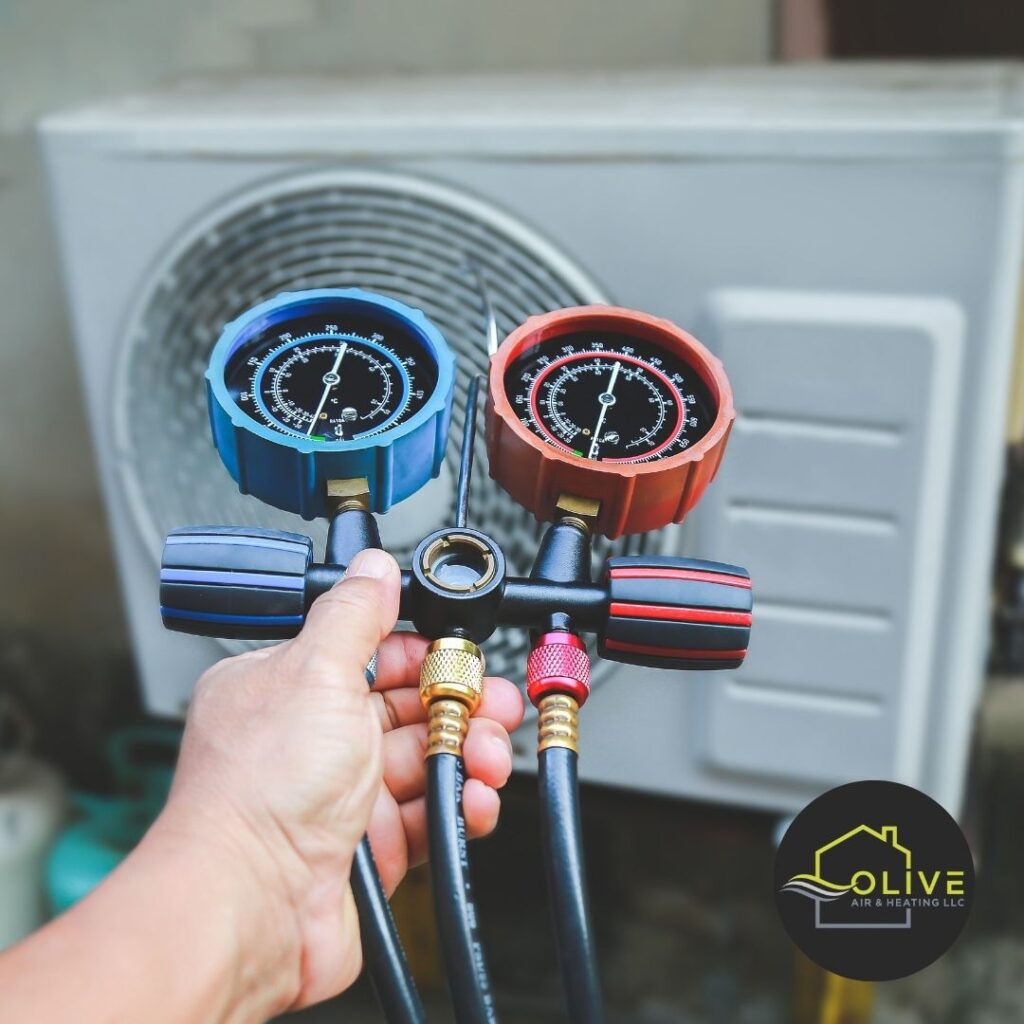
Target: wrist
{"x": 251, "y": 947}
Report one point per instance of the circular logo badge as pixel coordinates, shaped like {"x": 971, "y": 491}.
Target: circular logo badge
{"x": 874, "y": 880}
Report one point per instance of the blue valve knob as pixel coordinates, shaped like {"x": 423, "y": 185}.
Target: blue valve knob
{"x": 235, "y": 582}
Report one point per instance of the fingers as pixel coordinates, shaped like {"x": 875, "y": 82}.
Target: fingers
{"x": 501, "y": 702}
{"x": 346, "y": 624}
{"x": 399, "y": 659}
{"x": 386, "y": 832}
{"x": 487, "y": 753}
{"x": 480, "y": 806}
{"x": 398, "y": 831}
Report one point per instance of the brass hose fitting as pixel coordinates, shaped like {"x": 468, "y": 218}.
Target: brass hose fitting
{"x": 451, "y": 684}
{"x": 558, "y": 725}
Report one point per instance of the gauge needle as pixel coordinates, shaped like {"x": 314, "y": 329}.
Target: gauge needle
{"x": 606, "y": 398}
{"x": 330, "y": 379}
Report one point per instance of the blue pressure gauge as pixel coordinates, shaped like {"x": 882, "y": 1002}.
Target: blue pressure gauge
{"x": 330, "y": 384}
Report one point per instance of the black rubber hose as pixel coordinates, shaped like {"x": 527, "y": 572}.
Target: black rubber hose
{"x": 383, "y": 955}
{"x": 453, "y": 899}
{"x": 562, "y": 840}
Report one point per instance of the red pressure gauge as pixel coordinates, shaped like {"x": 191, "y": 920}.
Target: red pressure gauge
{"x": 610, "y": 404}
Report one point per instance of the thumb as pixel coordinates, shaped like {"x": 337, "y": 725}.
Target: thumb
{"x": 346, "y": 624}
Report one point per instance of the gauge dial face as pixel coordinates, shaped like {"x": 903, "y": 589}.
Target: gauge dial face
{"x": 610, "y": 397}
{"x": 331, "y": 378}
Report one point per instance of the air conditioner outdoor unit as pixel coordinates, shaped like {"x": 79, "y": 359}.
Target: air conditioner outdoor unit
{"x": 848, "y": 239}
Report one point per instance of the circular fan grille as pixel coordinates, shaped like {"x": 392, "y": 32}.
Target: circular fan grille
{"x": 405, "y": 237}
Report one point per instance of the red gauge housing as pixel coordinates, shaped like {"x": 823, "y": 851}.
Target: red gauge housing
{"x": 635, "y": 496}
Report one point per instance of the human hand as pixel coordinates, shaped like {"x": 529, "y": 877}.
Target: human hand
{"x": 281, "y": 771}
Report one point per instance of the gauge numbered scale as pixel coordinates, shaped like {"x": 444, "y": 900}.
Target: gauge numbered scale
{"x": 608, "y": 404}
{"x": 330, "y": 384}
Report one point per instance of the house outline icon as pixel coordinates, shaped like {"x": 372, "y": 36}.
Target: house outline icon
{"x": 887, "y": 835}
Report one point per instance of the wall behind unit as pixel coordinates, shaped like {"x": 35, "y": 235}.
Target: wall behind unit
{"x": 66, "y": 53}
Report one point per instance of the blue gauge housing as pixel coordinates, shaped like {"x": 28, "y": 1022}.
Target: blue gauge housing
{"x": 279, "y": 463}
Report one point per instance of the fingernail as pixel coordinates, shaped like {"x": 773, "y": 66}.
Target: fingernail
{"x": 370, "y": 562}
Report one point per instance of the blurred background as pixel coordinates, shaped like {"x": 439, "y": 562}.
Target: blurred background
{"x": 829, "y": 193}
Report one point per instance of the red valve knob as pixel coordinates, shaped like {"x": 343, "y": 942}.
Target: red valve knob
{"x": 558, "y": 663}
{"x": 681, "y": 613}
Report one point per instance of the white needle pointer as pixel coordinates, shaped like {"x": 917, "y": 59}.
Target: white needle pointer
{"x": 607, "y": 399}
{"x": 330, "y": 379}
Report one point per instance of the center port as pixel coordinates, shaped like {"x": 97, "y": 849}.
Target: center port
{"x": 459, "y": 562}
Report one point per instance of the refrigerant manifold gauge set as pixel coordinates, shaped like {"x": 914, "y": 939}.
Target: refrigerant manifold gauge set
{"x": 600, "y": 421}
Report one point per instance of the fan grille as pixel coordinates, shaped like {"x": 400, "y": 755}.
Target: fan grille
{"x": 405, "y": 237}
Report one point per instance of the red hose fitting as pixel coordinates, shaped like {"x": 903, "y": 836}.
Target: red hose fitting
{"x": 558, "y": 663}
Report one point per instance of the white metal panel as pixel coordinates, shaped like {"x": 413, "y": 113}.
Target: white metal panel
{"x": 842, "y": 537}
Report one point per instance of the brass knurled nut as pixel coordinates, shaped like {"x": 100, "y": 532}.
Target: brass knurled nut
{"x": 451, "y": 684}
{"x": 558, "y": 725}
